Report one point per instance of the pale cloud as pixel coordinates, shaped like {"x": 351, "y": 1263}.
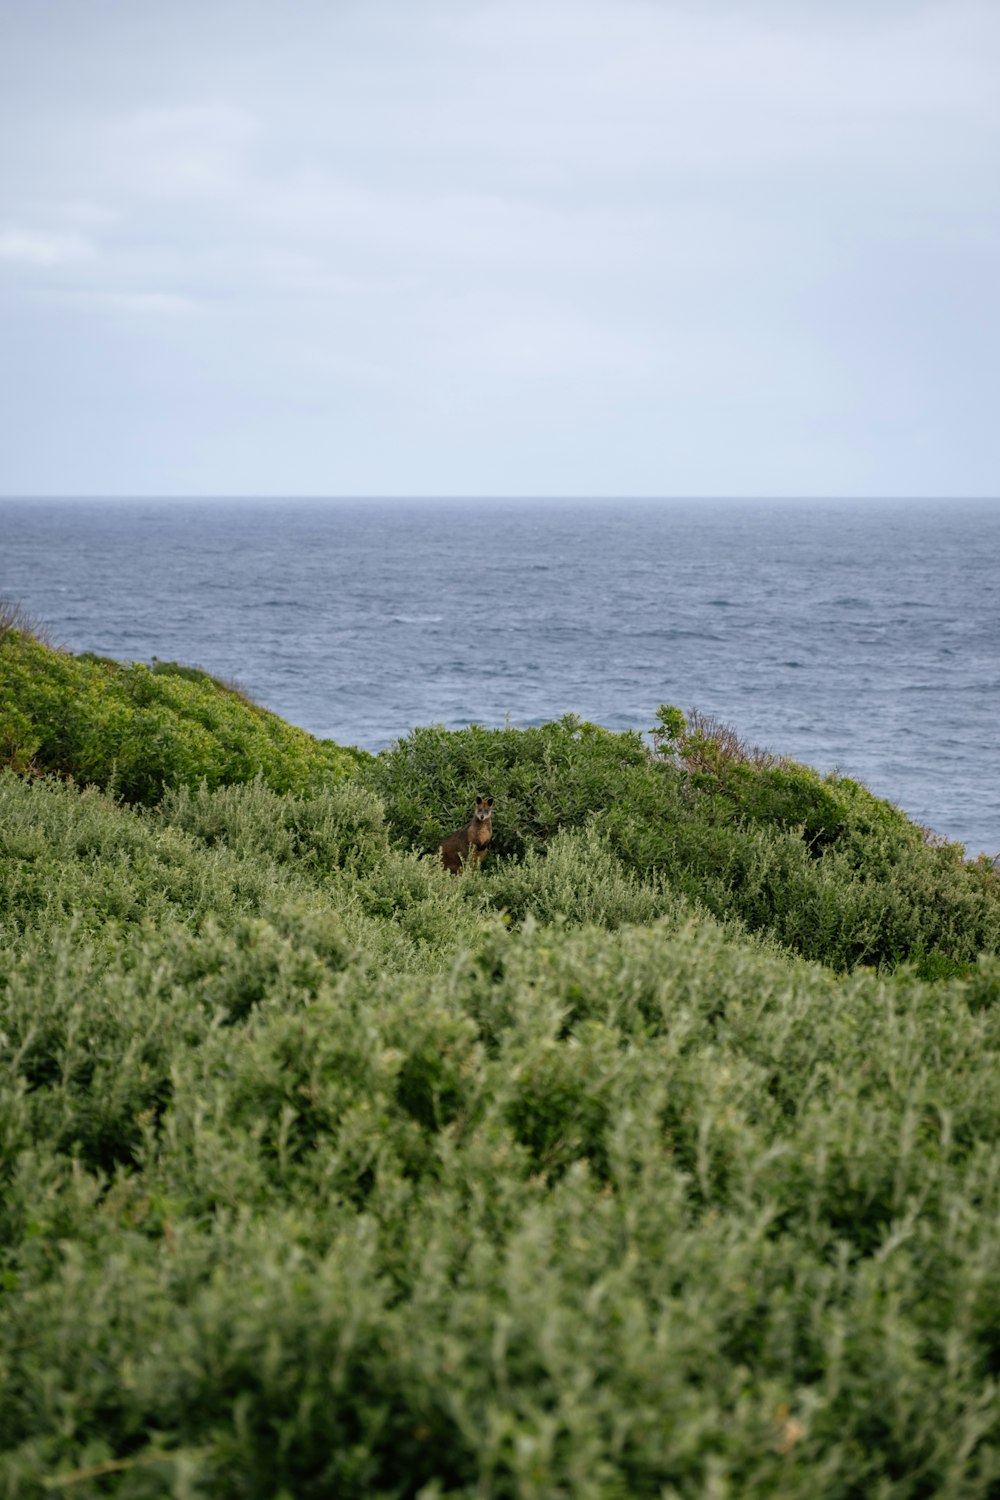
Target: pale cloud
{"x": 184, "y": 152}
{"x": 143, "y": 304}
{"x": 22, "y": 247}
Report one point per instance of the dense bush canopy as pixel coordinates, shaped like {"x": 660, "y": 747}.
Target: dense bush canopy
{"x": 817, "y": 863}
{"x": 324, "y": 1173}
{"x": 139, "y": 729}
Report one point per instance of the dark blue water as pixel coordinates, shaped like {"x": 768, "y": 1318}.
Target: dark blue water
{"x": 862, "y": 638}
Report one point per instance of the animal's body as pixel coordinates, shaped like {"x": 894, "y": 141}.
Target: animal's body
{"x": 468, "y": 845}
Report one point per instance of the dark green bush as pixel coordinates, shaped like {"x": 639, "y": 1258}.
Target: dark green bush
{"x": 815, "y": 863}
{"x": 545, "y": 779}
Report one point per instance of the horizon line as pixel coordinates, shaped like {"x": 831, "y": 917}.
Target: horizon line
{"x": 422, "y": 497}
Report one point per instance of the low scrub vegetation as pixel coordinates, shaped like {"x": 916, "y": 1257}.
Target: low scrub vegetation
{"x": 815, "y": 863}
{"x": 139, "y": 729}
{"x": 603, "y": 1170}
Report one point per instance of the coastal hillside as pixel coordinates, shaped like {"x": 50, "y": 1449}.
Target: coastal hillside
{"x": 660, "y": 1155}
{"x": 137, "y": 729}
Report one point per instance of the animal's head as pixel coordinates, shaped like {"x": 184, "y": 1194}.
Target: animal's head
{"x": 484, "y": 809}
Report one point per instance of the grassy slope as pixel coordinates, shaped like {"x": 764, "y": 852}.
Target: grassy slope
{"x": 317, "y": 1176}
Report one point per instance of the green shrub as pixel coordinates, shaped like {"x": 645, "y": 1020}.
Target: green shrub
{"x": 598, "y": 1213}
{"x": 140, "y": 730}
{"x": 814, "y": 863}
{"x": 318, "y": 1177}
{"x": 578, "y": 879}
{"x": 544, "y": 779}
{"x": 334, "y": 828}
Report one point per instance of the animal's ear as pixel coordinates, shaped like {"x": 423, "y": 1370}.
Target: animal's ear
{"x": 488, "y": 801}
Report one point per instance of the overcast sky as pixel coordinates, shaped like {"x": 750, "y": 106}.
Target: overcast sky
{"x": 618, "y": 247}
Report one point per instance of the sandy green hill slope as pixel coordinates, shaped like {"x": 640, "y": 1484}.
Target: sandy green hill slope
{"x": 324, "y": 1173}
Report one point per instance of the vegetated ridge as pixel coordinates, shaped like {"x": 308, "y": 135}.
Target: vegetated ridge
{"x": 660, "y": 1155}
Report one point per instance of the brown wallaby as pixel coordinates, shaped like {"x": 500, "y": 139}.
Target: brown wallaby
{"x": 468, "y": 845}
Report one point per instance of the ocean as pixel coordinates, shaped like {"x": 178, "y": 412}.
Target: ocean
{"x": 858, "y": 637}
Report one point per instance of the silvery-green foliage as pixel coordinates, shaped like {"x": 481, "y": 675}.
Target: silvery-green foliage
{"x": 323, "y": 1172}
